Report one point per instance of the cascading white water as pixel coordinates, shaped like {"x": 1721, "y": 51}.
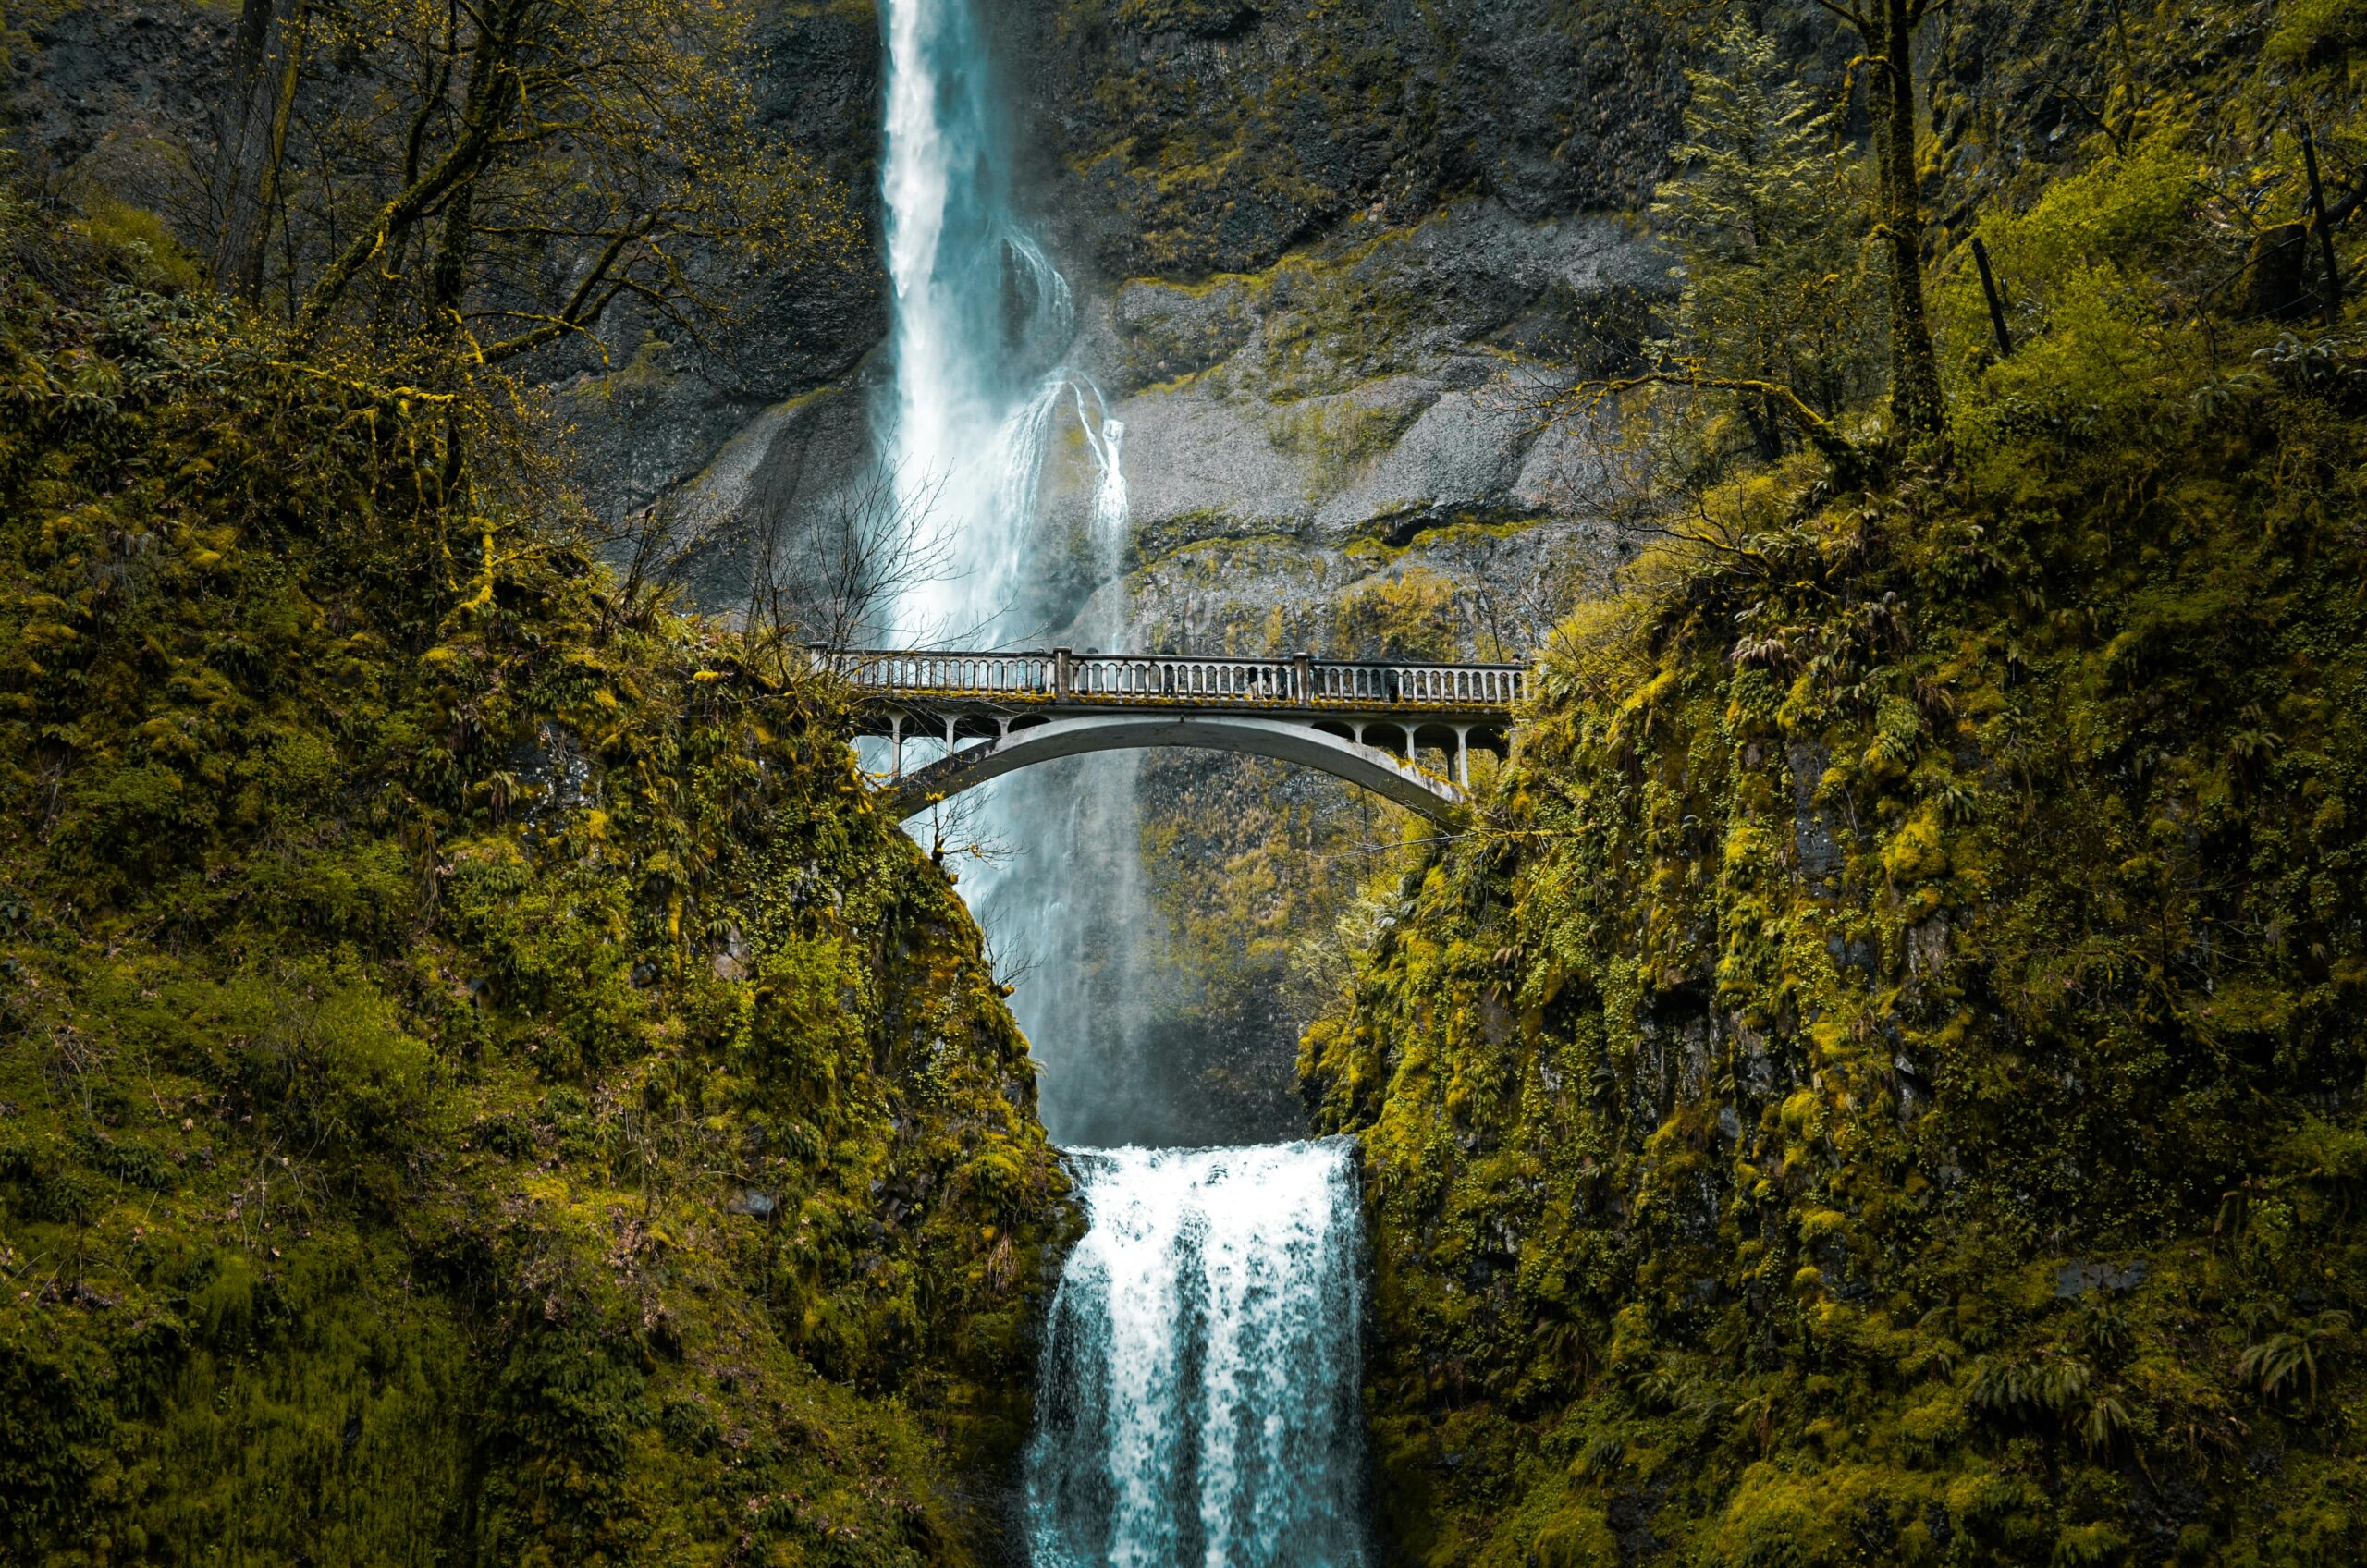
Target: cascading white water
{"x": 974, "y": 301}
{"x": 1105, "y": 435}
{"x": 978, "y": 312}
{"x": 975, "y": 305}
{"x": 1198, "y": 1402}
{"x": 980, "y": 321}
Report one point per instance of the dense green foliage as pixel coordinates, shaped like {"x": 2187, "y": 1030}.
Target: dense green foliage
{"x": 477, "y": 1080}
{"x": 1882, "y": 1080}
{"x": 1766, "y": 213}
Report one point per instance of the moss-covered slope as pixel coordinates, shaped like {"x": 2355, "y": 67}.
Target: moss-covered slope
{"x": 477, "y": 1083}
{"x": 1882, "y": 1081}
{"x": 1885, "y": 1078}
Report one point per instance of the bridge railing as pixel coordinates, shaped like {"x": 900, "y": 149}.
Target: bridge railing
{"x": 1062, "y": 676}
{"x": 980, "y": 674}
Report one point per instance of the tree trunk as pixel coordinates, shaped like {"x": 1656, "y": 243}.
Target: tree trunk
{"x": 491, "y": 100}
{"x": 2277, "y": 282}
{"x": 1915, "y": 366}
{"x": 267, "y": 57}
{"x": 490, "y": 81}
{"x": 447, "y": 279}
{"x": 397, "y": 247}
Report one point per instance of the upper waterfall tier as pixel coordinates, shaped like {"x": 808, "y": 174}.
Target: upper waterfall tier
{"x": 979, "y": 313}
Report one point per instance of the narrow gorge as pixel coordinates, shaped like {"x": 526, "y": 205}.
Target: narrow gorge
{"x": 1183, "y": 783}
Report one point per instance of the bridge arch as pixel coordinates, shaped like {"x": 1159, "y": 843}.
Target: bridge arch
{"x": 1309, "y": 745}
{"x": 1324, "y": 714}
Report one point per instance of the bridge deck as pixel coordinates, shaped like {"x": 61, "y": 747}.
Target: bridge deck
{"x": 1367, "y": 722}
{"x": 964, "y": 684}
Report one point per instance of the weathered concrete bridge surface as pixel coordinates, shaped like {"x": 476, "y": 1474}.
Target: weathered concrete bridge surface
{"x": 1365, "y": 722}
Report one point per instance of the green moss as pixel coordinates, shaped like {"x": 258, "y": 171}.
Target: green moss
{"x": 1199, "y": 542}
{"x": 478, "y": 1079}
{"x": 1208, "y": 17}
{"x": 1340, "y": 436}
{"x": 1880, "y": 1081}
{"x": 2309, "y": 31}
{"x": 144, "y": 242}
{"x": 1320, "y": 321}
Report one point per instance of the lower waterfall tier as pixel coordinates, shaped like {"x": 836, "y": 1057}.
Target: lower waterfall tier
{"x": 1198, "y": 1402}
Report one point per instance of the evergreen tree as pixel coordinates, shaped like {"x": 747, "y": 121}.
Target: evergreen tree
{"x": 1767, "y": 219}
{"x": 1887, "y": 31}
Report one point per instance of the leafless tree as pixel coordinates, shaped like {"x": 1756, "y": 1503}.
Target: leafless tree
{"x": 484, "y": 178}
{"x": 828, "y": 581}
{"x": 251, "y": 137}
{"x": 1009, "y": 965}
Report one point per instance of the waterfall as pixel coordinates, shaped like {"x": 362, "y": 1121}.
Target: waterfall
{"x": 978, "y": 311}
{"x": 1199, "y": 1396}
{"x": 1104, "y": 436}
{"x": 975, "y": 302}
{"x": 1199, "y": 1393}
{"x": 980, "y": 321}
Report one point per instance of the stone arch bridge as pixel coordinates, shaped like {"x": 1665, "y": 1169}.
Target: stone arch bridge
{"x": 989, "y": 713}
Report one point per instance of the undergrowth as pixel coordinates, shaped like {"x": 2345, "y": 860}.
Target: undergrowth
{"x": 478, "y": 1079}
{"x": 1880, "y": 1080}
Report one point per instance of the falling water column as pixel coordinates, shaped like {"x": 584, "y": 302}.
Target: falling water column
{"x": 1198, "y": 1402}
{"x": 980, "y": 321}
{"x": 978, "y": 315}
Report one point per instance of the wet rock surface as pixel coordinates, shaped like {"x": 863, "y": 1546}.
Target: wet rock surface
{"x": 1205, "y": 138}
{"x": 1398, "y": 381}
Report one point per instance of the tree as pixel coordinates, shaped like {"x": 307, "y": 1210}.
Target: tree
{"x": 485, "y": 179}
{"x": 560, "y": 156}
{"x": 251, "y": 137}
{"x": 1887, "y": 29}
{"x": 1767, "y": 218}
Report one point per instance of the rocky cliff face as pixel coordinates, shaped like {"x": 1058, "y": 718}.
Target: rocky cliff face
{"x": 1333, "y": 258}
{"x": 1335, "y": 261}
{"x": 1329, "y": 253}
{"x": 1209, "y": 138}
{"x": 1327, "y": 265}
